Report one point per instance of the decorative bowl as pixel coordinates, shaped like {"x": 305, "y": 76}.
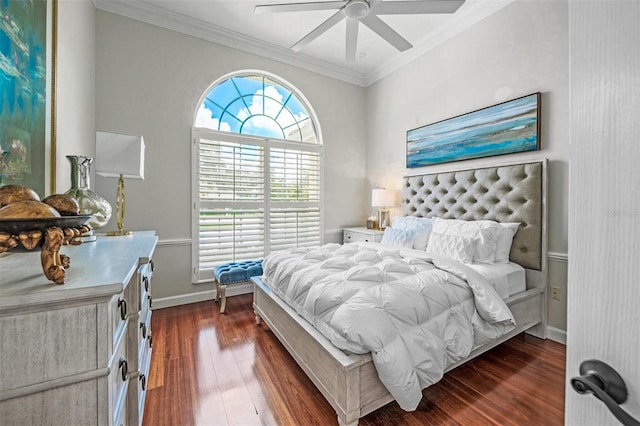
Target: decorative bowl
{"x": 15, "y": 226}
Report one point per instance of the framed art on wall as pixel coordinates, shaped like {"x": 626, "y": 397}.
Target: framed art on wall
{"x": 27, "y": 93}
{"x": 505, "y": 128}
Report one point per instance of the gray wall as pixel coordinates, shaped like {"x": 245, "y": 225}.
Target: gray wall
{"x": 521, "y": 49}
{"x": 149, "y": 81}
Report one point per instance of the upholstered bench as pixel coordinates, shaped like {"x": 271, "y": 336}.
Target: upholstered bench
{"x": 234, "y": 273}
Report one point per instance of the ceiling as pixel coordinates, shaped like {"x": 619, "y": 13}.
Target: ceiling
{"x": 234, "y": 24}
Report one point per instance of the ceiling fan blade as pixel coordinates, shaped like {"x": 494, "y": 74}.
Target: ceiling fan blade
{"x": 334, "y": 19}
{"x": 352, "y": 39}
{"x": 386, "y": 32}
{"x": 298, "y": 7}
{"x": 417, "y": 7}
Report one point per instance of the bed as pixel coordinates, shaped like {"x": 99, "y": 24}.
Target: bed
{"x": 505, "y": 193}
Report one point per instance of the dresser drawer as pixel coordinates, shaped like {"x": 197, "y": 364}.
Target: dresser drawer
{"x": 143, "y": 381}
{"x": 353, "y": 236}
{"x": 119, "y": 309}
{"x": 31, "y": 352}
{"x": 145, "y": 271}
{"x": 119, "y": 370}
{"x": 144, "y": 339}
{"x": 144, "y": 281}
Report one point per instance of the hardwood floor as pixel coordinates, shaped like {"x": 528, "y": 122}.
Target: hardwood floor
{"x": 212, "y": 369}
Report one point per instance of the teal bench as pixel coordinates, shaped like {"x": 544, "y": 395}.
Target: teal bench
{"x": 234, "y": 273}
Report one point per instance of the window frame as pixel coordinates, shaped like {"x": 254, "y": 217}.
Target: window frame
{"x": 198, "y": 133}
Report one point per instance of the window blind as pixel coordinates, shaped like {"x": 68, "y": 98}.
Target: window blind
{"x": 255, "y": 197}
{"x": 294, "y": 191}
{"x": 231, "y": 204}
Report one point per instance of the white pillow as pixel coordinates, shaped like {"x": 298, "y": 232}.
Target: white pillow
{"x": 486, "y": 231}
{"x": 397, "y": 238}
{"x": 404, "y": 222}
{"x": 505, "y": 238}
{"x": 456, "y": 247}
{"x": 421, "y": 226}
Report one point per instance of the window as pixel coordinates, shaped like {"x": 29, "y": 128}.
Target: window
{"x": 257, "y": 175}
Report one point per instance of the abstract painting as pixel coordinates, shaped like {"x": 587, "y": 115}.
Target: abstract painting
{"x": 26, "y": 87}
{"x": 506, "y": 128}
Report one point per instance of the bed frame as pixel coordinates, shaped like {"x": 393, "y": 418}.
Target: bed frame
{"x": 506, "y": 193}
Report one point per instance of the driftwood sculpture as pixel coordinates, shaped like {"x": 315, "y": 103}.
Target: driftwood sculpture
{"x": 53, "y": 262}
{"x": 26, "y": 221}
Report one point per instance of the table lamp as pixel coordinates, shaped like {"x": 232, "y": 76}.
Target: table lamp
{"x": 121, "y": 156}
{"x": 383, "y": 198}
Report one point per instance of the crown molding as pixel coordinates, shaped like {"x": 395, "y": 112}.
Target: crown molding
{"x": 154, "y": 15}
{"x": 475, "y": 13}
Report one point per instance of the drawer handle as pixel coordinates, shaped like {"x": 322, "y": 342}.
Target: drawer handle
{"x": 150, "y": 300}
{"x": 143, "y": 382}
{"x": 153, "y": 265}
{"x": 124, "y": 368}
{"x": 144, "y": 330}
{"x": 145, "y": 280}
{"x": 150, "y": 339}
{"x": 122, "y": 304}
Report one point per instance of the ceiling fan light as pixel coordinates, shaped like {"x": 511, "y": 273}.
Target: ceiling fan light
{"x": 356, "y": 9}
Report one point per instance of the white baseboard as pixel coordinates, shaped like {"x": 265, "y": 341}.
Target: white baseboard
{"x": 201, "y": 296}
{"x": 183, "y": 299}
{"x": 557, "y": 335}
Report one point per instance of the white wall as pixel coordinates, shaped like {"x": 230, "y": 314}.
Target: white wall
{"x": 75, "y": 86}
{"x": 521, "y": 49}
{"x": 148, "y": 82}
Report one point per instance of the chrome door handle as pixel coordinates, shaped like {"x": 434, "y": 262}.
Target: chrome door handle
{"x": 605, "y": 384}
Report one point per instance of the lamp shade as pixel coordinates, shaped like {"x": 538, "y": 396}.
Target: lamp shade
{"x": 382, "y": 198}
{"x": 119, "y": 154}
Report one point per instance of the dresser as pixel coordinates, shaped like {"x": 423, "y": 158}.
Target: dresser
{"x": 77, "y": 353}
{"x": 350, "y": 235}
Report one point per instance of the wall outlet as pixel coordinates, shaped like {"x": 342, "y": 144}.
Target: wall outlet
{"x": 555, "y": 293}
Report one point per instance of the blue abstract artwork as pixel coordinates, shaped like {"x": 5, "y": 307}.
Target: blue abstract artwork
{"x": 506, "y": 128}
{"x": 23, "y": 97}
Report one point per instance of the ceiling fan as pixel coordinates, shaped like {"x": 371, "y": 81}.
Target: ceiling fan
{"x": 364, "y": 11}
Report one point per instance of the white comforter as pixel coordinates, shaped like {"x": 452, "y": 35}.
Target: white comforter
{"x": 415, "y": 314}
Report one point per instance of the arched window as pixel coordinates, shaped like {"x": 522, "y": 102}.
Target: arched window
{"x": 258, "y": 171}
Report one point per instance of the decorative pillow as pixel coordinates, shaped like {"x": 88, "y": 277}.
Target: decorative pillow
{"x": 421, "y": 226}
{"x": 397, "y": 238}
{"x": 505, "y": 238}
{"x": 405, "y": 222}
{"x": 486, "y": 231}
{"x": 456, "y": 247}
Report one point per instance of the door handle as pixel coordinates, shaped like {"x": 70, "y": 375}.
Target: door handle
{"x": 605, "y": 384}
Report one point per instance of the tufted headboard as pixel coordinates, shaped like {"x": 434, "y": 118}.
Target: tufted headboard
{"x": 510, "y": 193}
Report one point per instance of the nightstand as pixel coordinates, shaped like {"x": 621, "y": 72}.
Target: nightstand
{"x": 350, "y": 235}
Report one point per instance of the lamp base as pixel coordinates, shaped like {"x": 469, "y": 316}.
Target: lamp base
{"x": 384, "y": 220}
{"x": 120, "y": 203}
{"x": 118, "y": 233}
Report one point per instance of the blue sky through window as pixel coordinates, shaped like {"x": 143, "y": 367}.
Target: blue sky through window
{"x": 256, "y": 105}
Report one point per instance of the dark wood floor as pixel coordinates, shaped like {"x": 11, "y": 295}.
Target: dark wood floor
{"x": 212, "y": 369}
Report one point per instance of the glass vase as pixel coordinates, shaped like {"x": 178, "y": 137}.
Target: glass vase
{"x": 90, "y": 202}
